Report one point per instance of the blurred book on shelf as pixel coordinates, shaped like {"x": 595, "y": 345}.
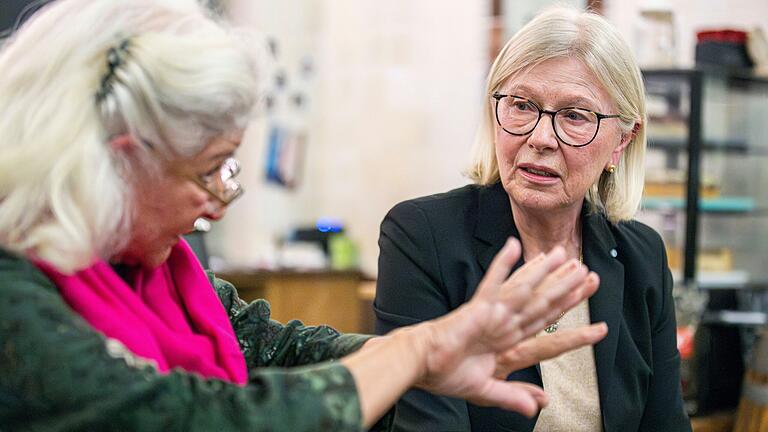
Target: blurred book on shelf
{"x": 707, "y": 260}
{"x": 667, "y": 128}
{"x": 672, "y": 183}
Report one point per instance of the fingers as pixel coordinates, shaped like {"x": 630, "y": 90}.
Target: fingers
{"x": 556, "y": 286}
{"x": 535, "y": 350}
{"x": 535, "y": 270}
{"x": 550, "y": 309}
{"x": 499, "y": 269}
{"x": 524, "y": 398}
{"x": 550, "y": 293}
{"x": 517, "y": 288}
{"x": 534, "y": 296}
{"x": 525, "y": 269}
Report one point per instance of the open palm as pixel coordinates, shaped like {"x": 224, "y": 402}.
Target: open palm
{"x": 467, "y": 346}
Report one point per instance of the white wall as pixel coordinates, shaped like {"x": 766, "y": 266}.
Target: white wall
{"x": 400, "y": 89}
{"x": 396, "y": 97}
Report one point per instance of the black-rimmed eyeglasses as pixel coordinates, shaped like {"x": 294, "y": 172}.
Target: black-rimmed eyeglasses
{"x": 573, "y": 126}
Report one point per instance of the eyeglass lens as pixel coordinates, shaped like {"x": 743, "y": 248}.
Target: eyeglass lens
{"x": 224, "y": 185}
{"x": 573, "y": 126}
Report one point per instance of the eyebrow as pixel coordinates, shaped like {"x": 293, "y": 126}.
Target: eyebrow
{"x": 220, "y": 156}
{"x": 577, "y": 101}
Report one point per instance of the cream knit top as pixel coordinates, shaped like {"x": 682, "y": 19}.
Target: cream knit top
{"x": 570, "y": 382}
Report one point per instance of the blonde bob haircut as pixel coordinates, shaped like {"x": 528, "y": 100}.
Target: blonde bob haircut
{"x": 566, "y": 32}
{"x": 183, "y": 79}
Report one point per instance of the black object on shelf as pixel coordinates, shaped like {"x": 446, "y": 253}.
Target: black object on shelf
{"x": 723, "y": 48}
{"x": 320, "y": 234}
{"x": 718, "y": 367}
{"x": 718, "y": 359}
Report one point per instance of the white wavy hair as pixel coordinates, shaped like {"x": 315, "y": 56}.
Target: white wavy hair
{"x": 568, "y": 32}
{"x": 64, "y": 193}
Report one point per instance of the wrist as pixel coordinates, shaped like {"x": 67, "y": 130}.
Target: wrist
{"x": 417, "y": 342}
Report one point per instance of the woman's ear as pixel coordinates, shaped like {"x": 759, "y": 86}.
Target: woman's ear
{"x": 122, "y": 142}
{"x": 626, "y": 138}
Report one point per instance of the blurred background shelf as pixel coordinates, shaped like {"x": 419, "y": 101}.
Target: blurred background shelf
{"x": 706, "y": 176}
{"x": 735, "y": 317}
{"x": 709, "y": 205}
{"x": 726, "y": 146}
{"x": 706, "y": 193}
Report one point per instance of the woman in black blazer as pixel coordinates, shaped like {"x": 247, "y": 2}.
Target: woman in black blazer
{"x": 559, "y": 161}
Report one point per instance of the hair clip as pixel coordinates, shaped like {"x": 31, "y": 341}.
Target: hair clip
{"x": 115, "y": 58}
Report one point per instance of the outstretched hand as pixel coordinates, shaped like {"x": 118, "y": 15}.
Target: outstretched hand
{"x": 470, "y": 349}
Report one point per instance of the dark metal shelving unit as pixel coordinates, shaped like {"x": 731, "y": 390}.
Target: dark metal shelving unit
{"x": 694, "y": 145}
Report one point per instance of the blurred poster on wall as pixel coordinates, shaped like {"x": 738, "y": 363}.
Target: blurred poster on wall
{"x": 285, "y": 155}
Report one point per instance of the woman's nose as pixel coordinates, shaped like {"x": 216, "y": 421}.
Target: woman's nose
{"x": 543, "y": 135}
{"x": 214, "y": 211}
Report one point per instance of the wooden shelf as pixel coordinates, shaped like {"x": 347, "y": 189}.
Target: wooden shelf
{"x": 314, "y": 298}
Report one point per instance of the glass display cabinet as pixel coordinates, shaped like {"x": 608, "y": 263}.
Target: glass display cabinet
{"x": 707, "y": 175}
{"x": 706, "y": 193}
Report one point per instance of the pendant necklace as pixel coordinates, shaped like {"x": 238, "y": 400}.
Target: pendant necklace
{"x": 553, "y": 327}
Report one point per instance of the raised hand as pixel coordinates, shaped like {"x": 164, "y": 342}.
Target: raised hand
{"x": 470, "y": 347}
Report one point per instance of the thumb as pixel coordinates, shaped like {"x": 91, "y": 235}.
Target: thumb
{"x": 524, "y": 398}
{"x": 499, "y": 270}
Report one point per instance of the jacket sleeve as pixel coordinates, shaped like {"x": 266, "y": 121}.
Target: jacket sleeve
{"x": 266, "y": 342}
{"x": 57, "y": 373}
{"x": 664, "y": 408}
{"x": 409, "y": 290}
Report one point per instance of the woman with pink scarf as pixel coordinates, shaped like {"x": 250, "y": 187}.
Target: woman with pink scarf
{"x": 118, "y": 128}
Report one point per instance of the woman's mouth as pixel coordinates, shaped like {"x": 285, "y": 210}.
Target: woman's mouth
{"x": 538, "y": 174}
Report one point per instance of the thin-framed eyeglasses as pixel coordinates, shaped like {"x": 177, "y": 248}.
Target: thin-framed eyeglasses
{"x": 573, "y": 126}
{"x": 220, "y": 183}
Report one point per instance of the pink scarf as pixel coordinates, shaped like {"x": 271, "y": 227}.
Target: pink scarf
{"x": 171, "y": 315}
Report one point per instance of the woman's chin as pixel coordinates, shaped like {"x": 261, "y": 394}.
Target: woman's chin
{"x": 156, "y": 258}
{"x": 150, "y": 259}
{"x": 535, "y": 200}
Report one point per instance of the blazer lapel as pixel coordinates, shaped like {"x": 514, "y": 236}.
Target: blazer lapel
{"x": 600, "y": 255}
{"x": 494, "y": 225}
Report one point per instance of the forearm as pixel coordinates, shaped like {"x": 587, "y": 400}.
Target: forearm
{"x": 386, "y": 367}
{"x": 266, "y": 342}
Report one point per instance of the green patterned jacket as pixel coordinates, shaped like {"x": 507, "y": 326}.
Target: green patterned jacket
{"x": 59, "y": 374}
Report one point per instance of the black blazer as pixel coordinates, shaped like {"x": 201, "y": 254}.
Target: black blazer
{"x": 433, "y": 253}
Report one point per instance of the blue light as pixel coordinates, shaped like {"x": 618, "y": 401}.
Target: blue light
{"x": 328, "y": 224}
